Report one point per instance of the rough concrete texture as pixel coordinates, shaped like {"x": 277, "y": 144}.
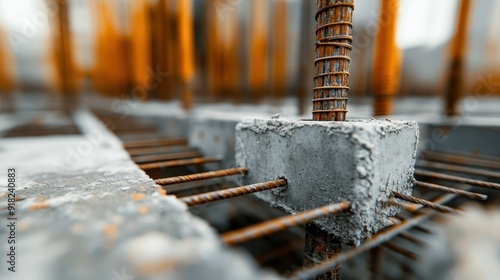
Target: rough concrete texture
{"x": 327, "y": 162}
{"x": 88, "y": 212}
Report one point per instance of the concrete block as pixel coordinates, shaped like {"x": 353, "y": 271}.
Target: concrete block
{"x": 360, "y": 161}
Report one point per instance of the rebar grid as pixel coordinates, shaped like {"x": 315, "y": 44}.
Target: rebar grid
{"x": 233, "y": 192}
{"x": 458, "y": 179}
{"x": 458, "y": 169}
{"x": 463, "y": 193}
{"x": 332, "y": 59}
{"x": 427, "y": 203}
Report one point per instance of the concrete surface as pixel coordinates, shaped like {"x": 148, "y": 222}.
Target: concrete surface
{"x": 360, "y": 161}
{"x": 88, "y": 212}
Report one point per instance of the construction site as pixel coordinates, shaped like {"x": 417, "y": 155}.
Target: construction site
{"x": 249, "y": 139}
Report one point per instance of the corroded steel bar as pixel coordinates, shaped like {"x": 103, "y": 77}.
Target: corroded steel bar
{"x": 402, "y": 251}
{"x": 376, "y": 240}
{"x": 280, "y": 224}
{"x": 411, "y": 238}
{"x": 458, "y": 169}
{"x": 154, "y": 142}
{"x": 458, "y": 179}
{"x": 458, "y": 49}
{"x": 332, "y": 59}
{"x": 413, "y": 199}
{"x": 159, "y": 150}
{"x": 321, "y": 246}
{"x": 463, "y": 193}
{"x": 233, "y": 192}
{"x": 387, "y": 59}
{"x": 177, "y": 163}
{"x": 201, "y": 176}
{"x": 165, "y": 157}
{"x": 456, "y": 159}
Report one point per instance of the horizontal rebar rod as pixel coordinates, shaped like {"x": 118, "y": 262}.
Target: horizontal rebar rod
{"x": 159, "y": 150}
{"x": 376, "y": 240}
{"x": 427, "y": 203}
{"x": 280, "y": 224}
{"x": 154, "y": 142}
{"x": 201, "y": 176}
{"x": 177, "y": 163}
{"x": 233, "y": 192}
{"x": 458, "y": 179}
{"x": 165, "y": 157}
{"x": 402, "y": 251}
{"x": 463, "y": 193}
{"x": 411, "y": 238}
{"x": 458, "y": 169}
{"x": 456, "y": 159}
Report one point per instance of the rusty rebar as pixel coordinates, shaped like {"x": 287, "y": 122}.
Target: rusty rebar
{"x": 154, "y": 142}
{"x": 269, "y": 227}
{"x": 462, "y": 160}
{"x": 178, "y": 163}
{"x": 332, "y": 59}
{"x": 232, "y": 192}
{"x": 458, "y": 49}
{"x": 458, "y": 169}
{"x": 411, "y": 238}
{"x": 459, "y": 192}
{"x": 165, "y": 157}
{"x": 405, "y": 252}
{"x": 458, "y": 179}
{"x": 202, "y": 176}
{"x": 427, "y": 203}
{"x": 320, "y": 246}
{"x": 159, "y": 150}
{"x": 375, "y": 241}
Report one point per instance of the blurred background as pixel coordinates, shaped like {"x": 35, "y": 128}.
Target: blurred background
{"x": 228, "y": 50}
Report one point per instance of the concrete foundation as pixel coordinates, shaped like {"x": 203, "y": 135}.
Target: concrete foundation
{"x": 360, "y": 161}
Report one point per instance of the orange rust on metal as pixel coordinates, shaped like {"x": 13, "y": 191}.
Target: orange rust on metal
{"x": 462, "y": 160}
{"x": 387, "y": 59}
{"x": 321, "y": 246}
{"x": 159, "y": 150}
{"x": 426, "y": 203}
{"x": 332, "y": 59}
{"x": 400, "y": 250}
{"x": 458, "y": 179}
{"x": 177, "y": 163}
{"x": 165, "y": 157}
{"x": 154, "y": 142}
{"x": 463, "y": 193}
{"x": 377, "y": 239}
{"x": 201, "y": 176}
{"x": 258, "y": 75}
{"x": 458, "y": 49}
{"x": 186, "y": 51}
{"x": 276, "y": 225}
{"x": 411, "y": 238}
{"x": 458, "y": 169}
{"x": 232, "y": 192}
{"x": 279, "y": 50}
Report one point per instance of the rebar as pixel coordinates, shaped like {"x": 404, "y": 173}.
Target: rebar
{"x": 202, "y": 176}
{"x": 164, "y": 157}
{"x": 332, "y": 59}
{"x": 375, "y": 241}
{"x": 269, "y": 227}
{"x": 320, "y": 246}
{"x": 159, "y": 150}
{"x": 178, "y": 163}
{"x": 458, "y": 179}
{"x": 427, "y": 203}
{"x": 462, "y": 160}
{"x": 233, "y": 192}
{"x": 405, "y": 252}
{"x": 463, "y": 193}
{"x": 458, "y": 169}
{"x": 154, "y": 142}
{"x": 411, "y": 238}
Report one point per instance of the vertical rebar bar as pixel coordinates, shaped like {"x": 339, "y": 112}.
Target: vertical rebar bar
{"x": 320, "y": 247}
{"x": 332, "y": 59}
{"x": 387, "y": 59}
{"x": 458, "y": 48}
{"x": 186, "y": 51}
